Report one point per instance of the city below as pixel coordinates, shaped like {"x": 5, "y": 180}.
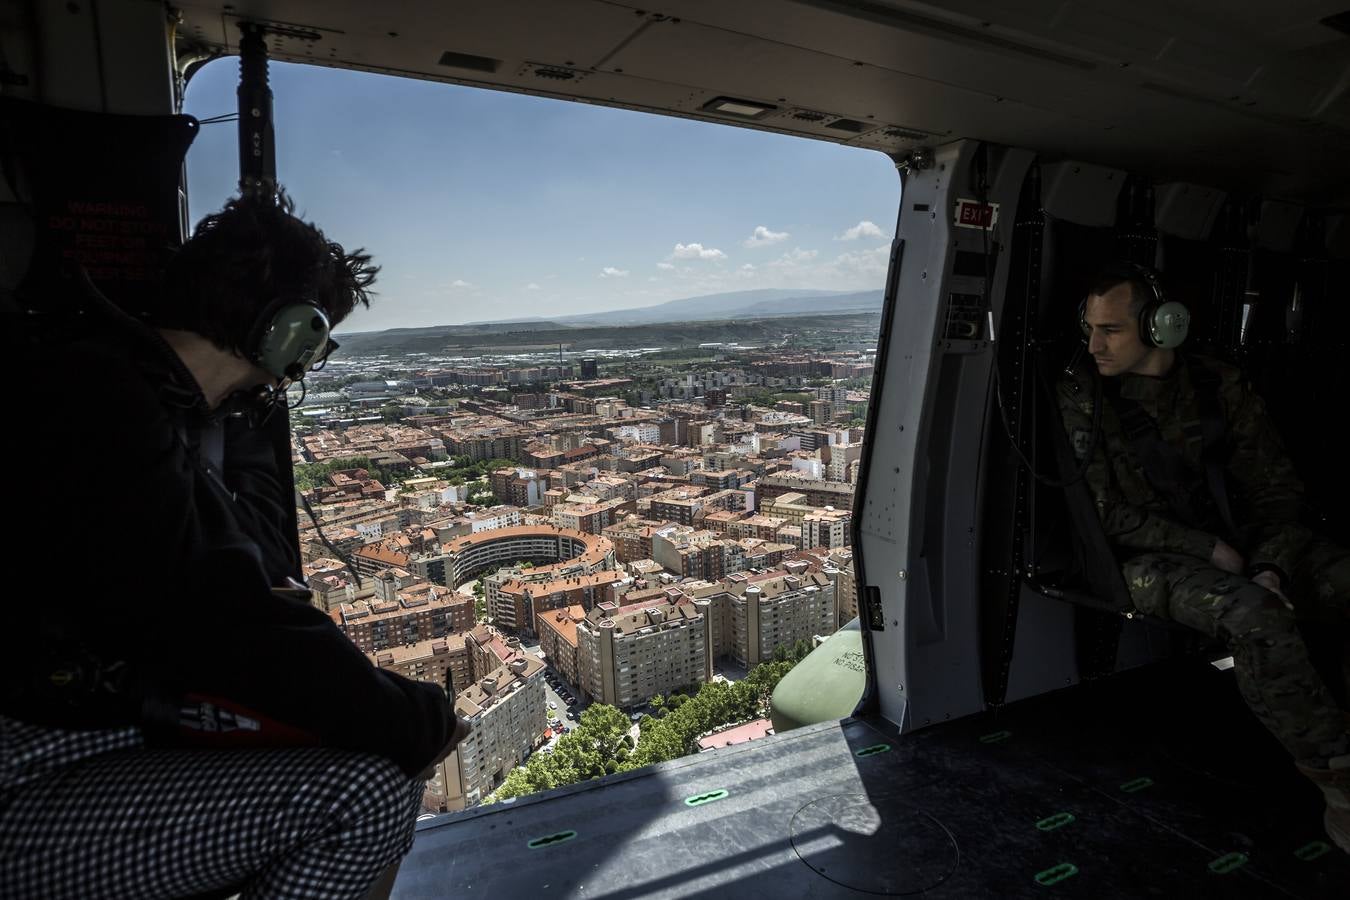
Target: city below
{"x": 608, "y": 557}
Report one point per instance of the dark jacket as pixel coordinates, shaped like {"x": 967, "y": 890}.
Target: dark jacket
{"x": 139, "y": 578}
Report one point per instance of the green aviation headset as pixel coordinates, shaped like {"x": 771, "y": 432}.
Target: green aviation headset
{"x": 290, "y": 338}
{"x": 1163, "y": 323}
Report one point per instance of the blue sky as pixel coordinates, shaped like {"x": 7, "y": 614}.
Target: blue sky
{"x": 484, "y": 205}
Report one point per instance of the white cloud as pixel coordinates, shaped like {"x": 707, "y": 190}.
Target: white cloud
{"x": 748, "y": 267}
{"x": 665, "y": 265}
{"x": 861, "y": 230}
{"x": 611, "y": 272}
{"x": 460, "y": 283}
{"x": 696, "y": 251}
{"x": 531, "y": 286}
{"x": 869, "y": 264}
{"x": 797, "y": 255}
{"x": 763, "y": 236}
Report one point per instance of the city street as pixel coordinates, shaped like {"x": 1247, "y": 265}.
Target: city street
{"x": 552, "y": 696}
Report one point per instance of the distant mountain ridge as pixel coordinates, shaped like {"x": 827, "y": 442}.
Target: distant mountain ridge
{"x": 754, "y": 304}
{"x": 757, "y": 303}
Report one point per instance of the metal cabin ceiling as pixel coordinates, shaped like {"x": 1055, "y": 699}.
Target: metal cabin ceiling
{"x": 1243, "y": 95}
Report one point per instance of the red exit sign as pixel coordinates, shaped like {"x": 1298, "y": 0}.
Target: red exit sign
{"x": 973, "y": 214}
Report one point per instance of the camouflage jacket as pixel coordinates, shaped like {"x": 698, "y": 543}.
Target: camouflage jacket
{"x": 1264, "y": 491}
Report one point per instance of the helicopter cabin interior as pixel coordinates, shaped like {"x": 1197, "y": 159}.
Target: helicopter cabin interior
{"x": 1008, "y": 692}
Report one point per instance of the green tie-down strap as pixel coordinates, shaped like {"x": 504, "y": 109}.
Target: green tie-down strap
{"x": 1056, "y": 874}
{"x": 709, "y": 797}
{"x": 1229, "y": 862}
{"x": 1058, "y": 820}
{"x": 1314, "y": 850}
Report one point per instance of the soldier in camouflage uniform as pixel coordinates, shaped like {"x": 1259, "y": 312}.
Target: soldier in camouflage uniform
{"x": 1245, "y": 575}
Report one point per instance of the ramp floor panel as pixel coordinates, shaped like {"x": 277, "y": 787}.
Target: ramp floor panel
{"x": 1152, "y": 784}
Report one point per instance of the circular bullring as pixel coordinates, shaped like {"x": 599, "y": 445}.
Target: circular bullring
{"x": 554, "y": 552}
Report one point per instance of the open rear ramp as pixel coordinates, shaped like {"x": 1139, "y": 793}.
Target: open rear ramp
{"x": 1153, "y": 783}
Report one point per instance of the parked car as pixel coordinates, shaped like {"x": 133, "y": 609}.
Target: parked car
{"x": 552, "y": 705}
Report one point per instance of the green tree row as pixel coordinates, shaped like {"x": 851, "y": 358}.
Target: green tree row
{"x": 600, "y": 744}
{"x": 678, "y": 722}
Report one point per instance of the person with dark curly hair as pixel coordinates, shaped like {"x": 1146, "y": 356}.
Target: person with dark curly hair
{"x": 177, "y": 719}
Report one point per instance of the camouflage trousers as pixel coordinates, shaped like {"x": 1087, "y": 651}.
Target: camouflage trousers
{"x": 1270, "y": 659}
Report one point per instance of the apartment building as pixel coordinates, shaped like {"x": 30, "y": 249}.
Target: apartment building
{"x": 817, "y": 492}
{"x": 479, "y": 520}
{"x": 591, "y": 518}
{"x": 681, "y": 504}
{"x": 506, "y": 712}
{"x": 516, "y": 600}
{"x": 748, "y": 616}
{"x": 721, "y": 479}
{"x": 557, "y": 630}
{"x": 840, "y": 571}
{"x": 632, "y": 538}
{"x": 520, "y": 487}
{"x": 827, "y": 527}
{"x": 561, "y": 551}
{"x": 331, "y": 584}
{"x": 687, "y": 553}
{"x": 397, "y": 616}
{"x": 777, "y": 610}
{"x": 628, "y": 654}
{"x": 382, "y": 554}
{"x": 792, "y": 507}
{"x": 755, "y": 553}
{"x": 445, "y": 661}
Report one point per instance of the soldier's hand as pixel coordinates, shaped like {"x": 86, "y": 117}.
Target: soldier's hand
{"x": 1271, "y": 582}
{"x": 1226, "y": 558}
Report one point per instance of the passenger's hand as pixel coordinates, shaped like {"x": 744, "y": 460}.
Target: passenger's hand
{"x": 459, "y": 733}
{"x": 1271, "y": 582}
{"x": 1226, "y": 558}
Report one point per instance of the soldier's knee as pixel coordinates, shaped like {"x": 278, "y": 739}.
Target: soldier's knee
{"x": 1333, "y": 584}
{"x": 1257, "y": 614}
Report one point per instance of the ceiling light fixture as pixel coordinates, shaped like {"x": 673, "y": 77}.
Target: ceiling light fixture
{"x": 741, "y": 109}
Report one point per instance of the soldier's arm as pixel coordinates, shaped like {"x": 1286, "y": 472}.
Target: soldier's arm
{"x": 1263, "y": 470}
{"x": 1126, "y": 524}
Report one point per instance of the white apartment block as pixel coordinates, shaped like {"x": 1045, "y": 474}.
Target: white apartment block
{"x": 628, "y": 654}
{"x": 506, "y": 712}
{"x": 748, "y": 617}
{"x": 827, "y": 527}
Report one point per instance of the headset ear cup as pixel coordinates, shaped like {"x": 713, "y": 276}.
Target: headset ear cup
{"x": 1169, "y": 325}
{"x": 292, "y": 340}
{"x": 1082, "y": 319}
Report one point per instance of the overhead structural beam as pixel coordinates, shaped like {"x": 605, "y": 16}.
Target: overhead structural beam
{"x": 257, "y": 143}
